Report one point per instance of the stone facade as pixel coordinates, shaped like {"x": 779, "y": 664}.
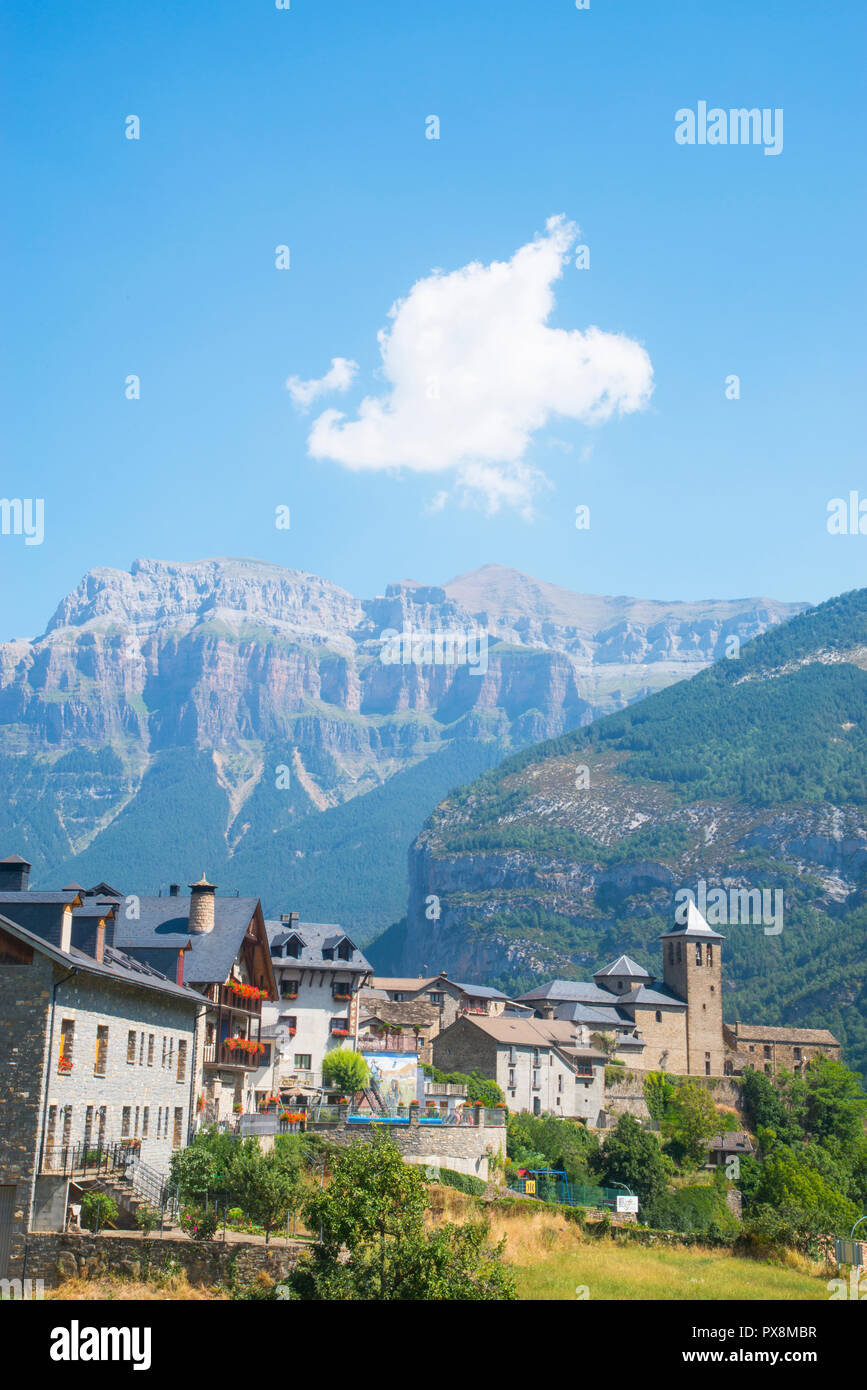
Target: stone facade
{"x": 463, "y": 1148}
{"x": 54, "y": 1257}
{"x": 692, "y": 965}
{"x": 531, "y": 1070}
{"x": 45, "y": 1105}
{"x": 770, "y": 1049}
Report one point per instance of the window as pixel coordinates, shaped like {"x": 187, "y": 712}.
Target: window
{"x": 125, "y": 1119}
{"x": 182, "y": 1059}
{"x": 145, "y": 1121}
{"x": 159, "y": 1122}
{"x": 67, "y": 1037}
{"x": 536, "y": 1082}
{"x": 537, "y": 1106}
{"x": 164, "y": 1051}
{"x": 659, "y": 1015}
{"x": 88, "y": 1127}
{"x": 709, "y": 954}
{"x": 752, "y": 1049}
{"x": 797, "y": 1054}
{"x": 141, "y": 1043}
{"x": 512, "y": 1082}
{"x": 135, "y": 1131}
{"x": 101, "y": 1057}
{"x": 51, "y": 1136}
{"x": 559, "y": 1083}
{"x": 176, "y": 1132}
{"x": 707, "y": 1064}
{"x": 264, "y": 1058}
{"x": 671, "y": 953}
{"x": 767, "y": 1050}
{"x": 171, "y": 1053}
{"x": 344, "y": 950}
{"x": 103, "y": 1115}
{"x": 289, "y": 989}
{"x": 303, "y": 1061}
{"x": 67, "y": 1126}
{"x": 437, "y": 997}
{"x": 130, "y": 1045}
{"x": 150, "y": 1049}
{"x": 698, "y": 953}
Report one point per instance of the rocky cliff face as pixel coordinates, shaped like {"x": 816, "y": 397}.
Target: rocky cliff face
{"x": 746, "y": 786}
{"x": 257, "y": 667}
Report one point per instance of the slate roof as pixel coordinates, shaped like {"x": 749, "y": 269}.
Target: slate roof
{"x": 482, "y": 991}
{"x": 695, "y": 927}
{"x": 589, "y": 1013}
{"x": 9, "y": 899}
{"x": 164, "y": 923}
{"x": 624, "y": 965}
{"x": 653, "y": 994}
{"x": 315, "y": 937}
{"x": 756, "y": 1032}
{"x": 115, "y": 966}
{"x": 736, "y": 1141}
{"x": 569, "y": 991}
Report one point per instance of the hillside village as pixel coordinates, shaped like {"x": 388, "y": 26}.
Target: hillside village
{"x": 130, "y": 1024}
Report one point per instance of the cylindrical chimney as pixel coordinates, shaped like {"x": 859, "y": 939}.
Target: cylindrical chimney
{"x": 201, "y": 917}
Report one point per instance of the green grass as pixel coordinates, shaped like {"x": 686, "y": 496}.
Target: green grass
{"x": 611, "y": 1271}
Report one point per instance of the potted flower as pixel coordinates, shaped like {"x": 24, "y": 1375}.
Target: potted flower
{"x": 237, "y": 1108}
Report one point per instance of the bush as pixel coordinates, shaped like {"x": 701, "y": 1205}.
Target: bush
{"x": 461, "y": 1182}
{"x": 98, "y": 1210}
{"x": 198, "y": 1223}
{"x": 147, "y": 1218}
{"x": 344, "y": 1070}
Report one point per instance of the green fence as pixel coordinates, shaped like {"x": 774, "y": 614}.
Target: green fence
{"x": 548, "y": 1185}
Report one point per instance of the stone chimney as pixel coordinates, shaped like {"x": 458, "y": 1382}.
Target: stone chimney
{"x": 201, "y": 917}
{"x": 14, "y": 874}
{"x": 547, "y": 1008}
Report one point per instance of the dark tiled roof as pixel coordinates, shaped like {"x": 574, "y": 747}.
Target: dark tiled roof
{"x": 315, "y": 937}
{"x": 589, "y": 1013}
{"x": 577, "y": 991}
{"x": 482, "y": 991}
{"x": 653, "y": 994}
{"x": 9, "y": 899}
{"x": 625, "y": 965}
{"x": 164, "y": 923}
{"x": 116, "y": 966}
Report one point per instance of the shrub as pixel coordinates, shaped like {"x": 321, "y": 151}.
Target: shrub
{"x": 98, "y": 1210}
{"x": 461, "y": 1182}
{"x": 198, "y": 1223}
{"x": 147, "y": 1218}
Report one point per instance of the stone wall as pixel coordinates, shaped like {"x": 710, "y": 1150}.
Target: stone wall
{"x": 54, "y": 1257}
{"x": 464, "y": 1148}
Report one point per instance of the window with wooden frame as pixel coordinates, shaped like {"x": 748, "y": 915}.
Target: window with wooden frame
{"x": 100, "y": 1060}
{"x": 67, "y": 1037}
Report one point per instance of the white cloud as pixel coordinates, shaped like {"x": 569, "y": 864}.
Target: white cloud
{"x": 474, "y": 371}
{"x": 337, "y": 378}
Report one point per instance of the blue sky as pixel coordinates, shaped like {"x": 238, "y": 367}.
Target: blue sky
{"x": 306, "y": 127}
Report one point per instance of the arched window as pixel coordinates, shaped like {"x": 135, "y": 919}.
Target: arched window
{"x": 698, "y": 953}
{"x": 709, "y": 954}
{"x": 659, "y": 1015}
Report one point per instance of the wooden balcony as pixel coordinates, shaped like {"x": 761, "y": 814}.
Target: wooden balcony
{"x": 228, "y": 1001}
{"x": 231, "y": 1057}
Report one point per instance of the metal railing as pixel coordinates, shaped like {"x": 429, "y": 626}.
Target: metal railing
{"x": 86, "y": 1159}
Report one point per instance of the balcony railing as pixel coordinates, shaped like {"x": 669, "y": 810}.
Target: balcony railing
{"x": 394, "y": 1042}
{"x": 223, "y": 1056}
{"x": 227, "y": 998}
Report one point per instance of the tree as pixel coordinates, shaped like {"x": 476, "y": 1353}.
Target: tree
{"x": 269, "y": 1188}
{"x": 374, "y": 1243}
{"x": 658, "y": 1091}
{"x": 690, "y": 1121}
{"x": 193, "y": 1170}
{"x": 345, "y": 1070}
{"x": 632, "y": 1156}
{"x": 478, "y": 1087}
{"x": 834, "y": 1101}
{"x": 764, "y": 1107}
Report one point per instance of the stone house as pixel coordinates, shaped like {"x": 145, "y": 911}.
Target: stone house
{"x": 728, "y": 1145}
{"x": 218, "y": 946}
{"x": 770, "y": 1050}
{"x": 98, "y": 1049}
{"x": 676, "y": 1025}
{"x": 444, "y": 1001}
{"x": 319, "y": 972}
{"x": 542, "y": 1066}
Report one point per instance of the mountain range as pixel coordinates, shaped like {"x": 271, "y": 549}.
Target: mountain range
{"x": 238, "y": 716}
{"x": 745, "y": 786}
